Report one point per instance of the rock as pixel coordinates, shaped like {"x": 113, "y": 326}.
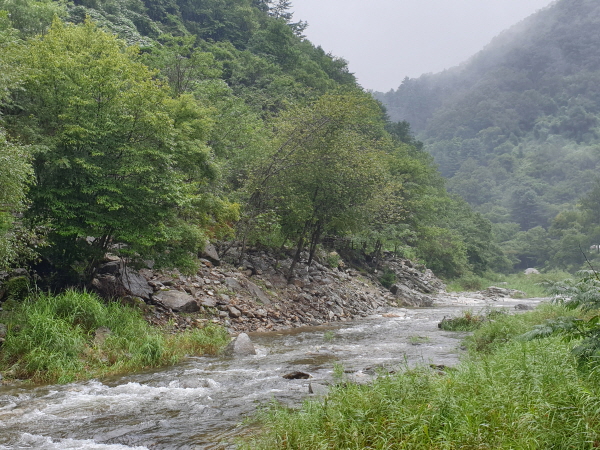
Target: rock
{"x": 111, "y": 267}
{"x": 135, "y": 284}
{"x": 257, "y": 292}
{"x": 297, "y": 376}
{"x": 532, "y": 271}
{"x": 210, "y": 253}
{"x": 234, "y": 312}
{"x": 3, "y": 331}
{"x": 522, "y": 307}
{"x": 233, "y": 284}
{"x": 178, "y": 301}
{"x": 100, "y": 335}
{"x": 208, "y": 302}
{"x": 240, "y": 346}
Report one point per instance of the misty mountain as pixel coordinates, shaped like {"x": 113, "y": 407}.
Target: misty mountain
{"x": 515, "y": 128}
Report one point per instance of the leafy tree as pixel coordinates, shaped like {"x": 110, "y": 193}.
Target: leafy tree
{"x": 325, "y": 167}
{"x": 117, "y": 159}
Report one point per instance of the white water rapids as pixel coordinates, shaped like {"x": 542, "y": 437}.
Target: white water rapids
{"x": 201, "y": 403}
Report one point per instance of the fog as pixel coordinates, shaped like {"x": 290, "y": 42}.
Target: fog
{"x": 387, "y": 40}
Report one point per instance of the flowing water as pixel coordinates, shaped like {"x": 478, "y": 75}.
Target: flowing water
{"x": 201, "y": 403}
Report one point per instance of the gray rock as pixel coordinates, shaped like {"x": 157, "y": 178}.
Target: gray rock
{"x": 257, "y": 292}
{"x": 178, "y": 301}
{"x": 234, "y": 312}
{"x": 240, "y": 346}
{"x": 233, "y": 284}
{"x": 532, "y": 271}
{"x": 208, "y": 302}
{"x": 3, "y": 331}
{"x": 522, "y": 307}
{"x": 135, "y": 284}
{"x": 111, "y": 267}
{"x": 210, "y": 253}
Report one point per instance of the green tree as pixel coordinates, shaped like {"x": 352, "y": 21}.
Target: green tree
{"x": 117, "y": 159}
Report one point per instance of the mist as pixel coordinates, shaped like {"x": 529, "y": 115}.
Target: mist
{"x": 387, "y": 40}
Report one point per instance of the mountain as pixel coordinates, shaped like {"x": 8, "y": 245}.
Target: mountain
{"x": 515, "y": 128}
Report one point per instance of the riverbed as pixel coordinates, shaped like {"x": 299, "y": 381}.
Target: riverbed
{"x": 205, "y": 403}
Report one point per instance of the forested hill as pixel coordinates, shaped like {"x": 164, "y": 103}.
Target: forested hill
{"x": 515, "y": 128}
{"x": 147, "y": 127}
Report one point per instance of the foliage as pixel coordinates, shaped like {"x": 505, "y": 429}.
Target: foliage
{"x": 117, "y": 158}
{"x": 467, "y": 322}
{"x": 523, "y": 395}
{"x": 519, "y": 151}
{"x": 52, "y": 338}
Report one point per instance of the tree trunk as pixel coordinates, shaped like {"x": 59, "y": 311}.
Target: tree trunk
{"x": 296, "y": 257}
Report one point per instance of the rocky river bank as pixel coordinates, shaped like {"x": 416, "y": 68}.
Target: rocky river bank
{"x": 256, "y": 295}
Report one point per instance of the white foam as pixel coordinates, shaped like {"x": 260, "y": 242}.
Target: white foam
{"x": 45, "y": 443}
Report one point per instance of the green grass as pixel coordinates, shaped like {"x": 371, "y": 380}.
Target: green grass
{"x": 516, "y": 394}
{"x": 51, "y": 339}
{"x": 529, "y": 284}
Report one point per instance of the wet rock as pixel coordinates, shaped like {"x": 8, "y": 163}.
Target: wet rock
{"x": 297, "y": 376}
{"x": 498, "y": 292}
{"x": 522, "y": 307}
{"x": 177, "y": 301}
{"x": 240, "y": 346}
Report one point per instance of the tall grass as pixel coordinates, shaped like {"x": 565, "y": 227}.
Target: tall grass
{"x": 52, "y": 339}
{"x": 516, "y": 395}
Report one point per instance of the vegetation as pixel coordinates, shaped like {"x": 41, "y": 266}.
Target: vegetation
{"x": 515, "y": 130}
{"x": 146, "y": 128}
{"x": 74, "y": 336}
{"x": 509, "y": 392}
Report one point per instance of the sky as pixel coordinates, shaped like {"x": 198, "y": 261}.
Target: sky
{"x": 387, "y": 40}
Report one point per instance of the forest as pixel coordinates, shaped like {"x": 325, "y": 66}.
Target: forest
{"x": 149, "y": 127}
{"x": 514, "y": 130}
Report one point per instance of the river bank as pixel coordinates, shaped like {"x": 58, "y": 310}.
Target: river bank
{"x": 200, "y": 403}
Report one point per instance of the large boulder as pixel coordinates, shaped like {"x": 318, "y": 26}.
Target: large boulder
{"x": 178, "y": 301}
{"x": 240, "y": 346}
{"x": 210, "y": 252}
{"x": 409, "y": 297}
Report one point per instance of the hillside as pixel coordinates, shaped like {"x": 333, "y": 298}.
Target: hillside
{"x": 515, "y": 128}
{"x": 146, "y": 128}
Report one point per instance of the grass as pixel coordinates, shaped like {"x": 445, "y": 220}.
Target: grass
{"x": 507, "y": 394}
{"x": 52, "y": 339}
{"x": 418, "y": 340}
{"x": 529, "y": 284}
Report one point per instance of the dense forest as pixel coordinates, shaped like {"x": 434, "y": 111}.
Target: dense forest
{"x": 515, "y": 131}
{"x": 145, "y": 128}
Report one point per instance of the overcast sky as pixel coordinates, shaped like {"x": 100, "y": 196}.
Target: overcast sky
{"x": 387, "y": 40}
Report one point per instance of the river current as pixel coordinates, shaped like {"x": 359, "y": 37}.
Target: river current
{"x": 203, "y": 402}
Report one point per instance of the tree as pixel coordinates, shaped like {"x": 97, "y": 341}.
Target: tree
{"x": 16, "y": 174}
{"x": 324, "y": 169}
{"x": 117, "y": 159}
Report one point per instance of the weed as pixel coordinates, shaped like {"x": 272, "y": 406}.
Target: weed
{"x": 418, "y": 340}
{"x": 52, "y": 339}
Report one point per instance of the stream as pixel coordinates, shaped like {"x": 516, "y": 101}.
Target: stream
{"x": 201, "y": 403}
